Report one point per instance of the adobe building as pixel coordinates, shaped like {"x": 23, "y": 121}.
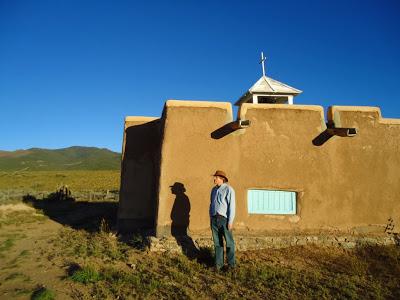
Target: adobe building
{"x": 294, "y": 171}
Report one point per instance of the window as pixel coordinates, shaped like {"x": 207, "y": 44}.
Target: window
{"x": 271, "y": 202}
{"x": 273, "y": 99}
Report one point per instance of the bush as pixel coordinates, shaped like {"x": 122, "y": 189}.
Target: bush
{"x": 42, "y": 294}
{"x": 85, "y": 275}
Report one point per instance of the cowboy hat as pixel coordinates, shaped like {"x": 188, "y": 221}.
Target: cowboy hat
{"x": 220, "y": 174}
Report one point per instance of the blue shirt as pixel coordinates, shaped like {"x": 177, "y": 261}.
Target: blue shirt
{"x": 223, "y": 202}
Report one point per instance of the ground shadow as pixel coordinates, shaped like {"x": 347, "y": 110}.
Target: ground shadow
{"x": 61, "y": 207}
{"x": 205, "y": 256}
{"x": 380, "y": 260}
{"x": 180, "y": 216}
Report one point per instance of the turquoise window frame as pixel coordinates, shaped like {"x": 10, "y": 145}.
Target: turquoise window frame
{"x": 271, "y": 202}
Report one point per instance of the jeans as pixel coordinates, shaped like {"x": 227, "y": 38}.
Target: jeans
{"x": 219, "y": 228}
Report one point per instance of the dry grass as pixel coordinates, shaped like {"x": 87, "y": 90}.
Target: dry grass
{"x": 51, "y": 180}
{"x": 104, "y": 267}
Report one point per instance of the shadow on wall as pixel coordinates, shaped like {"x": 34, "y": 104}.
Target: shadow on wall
{"x": 223, "y": 131}
{"x": 180, "y": 216}
{"x": 139, "y": 175}
{"x": 331, "y": 131}
{"x": 322, "y": 138}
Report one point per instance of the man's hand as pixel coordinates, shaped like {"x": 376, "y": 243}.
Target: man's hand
{"x": 230, "y": 226}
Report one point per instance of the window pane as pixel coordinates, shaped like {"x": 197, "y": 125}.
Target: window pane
{"x": 271, "y": 202}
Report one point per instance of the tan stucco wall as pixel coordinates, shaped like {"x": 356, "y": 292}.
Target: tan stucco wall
{"x": 346, "y": 184}
{"x": 139, "y": 172}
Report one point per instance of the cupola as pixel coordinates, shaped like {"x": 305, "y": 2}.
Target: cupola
{"x": 268, "y": 90}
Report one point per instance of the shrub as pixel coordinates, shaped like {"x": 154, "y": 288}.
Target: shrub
{"x": 85, "y": 275}
{"x": 42, "y": 294}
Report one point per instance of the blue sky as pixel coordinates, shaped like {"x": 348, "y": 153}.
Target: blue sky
{"x": 70, "y": 71}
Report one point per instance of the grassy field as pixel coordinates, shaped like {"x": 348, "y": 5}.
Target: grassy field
{"x": 51, "y": 180}
{"x": 68, "y": 250}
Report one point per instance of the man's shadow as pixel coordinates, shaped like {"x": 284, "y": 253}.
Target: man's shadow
{"x": 180, "y": 216}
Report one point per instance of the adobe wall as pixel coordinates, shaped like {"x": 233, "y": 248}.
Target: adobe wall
{"x": 343, "y": 184}
{"x": 139, "y": 173}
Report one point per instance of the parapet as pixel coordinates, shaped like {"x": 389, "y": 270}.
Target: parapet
{"x": 372, "y": 115}
{"x": 335, "y": 114}
{"x": 198, "y": 103}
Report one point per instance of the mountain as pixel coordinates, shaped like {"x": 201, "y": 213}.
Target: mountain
{"x": 72, "y": 158}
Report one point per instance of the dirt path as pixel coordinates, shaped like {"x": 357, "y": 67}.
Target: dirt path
{"x": 25, "y": 252}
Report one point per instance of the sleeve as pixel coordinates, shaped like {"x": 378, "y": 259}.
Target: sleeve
{"x": 231, "y": 206}
{"x": 211, "y": 200}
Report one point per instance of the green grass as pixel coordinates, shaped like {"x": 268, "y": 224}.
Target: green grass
{"x": 7, "y": 244}
{"x": 85, "y": 275}
{"x": 24, "y": 253}
{"x": 43, "y": 293}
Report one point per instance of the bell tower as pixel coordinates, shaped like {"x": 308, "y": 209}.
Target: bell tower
{"x": 268, "y": 90}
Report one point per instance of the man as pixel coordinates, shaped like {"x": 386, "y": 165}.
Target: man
{"x": 222, "y": 213}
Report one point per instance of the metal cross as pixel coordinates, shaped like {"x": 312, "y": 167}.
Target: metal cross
{"x": 262, "y": 62}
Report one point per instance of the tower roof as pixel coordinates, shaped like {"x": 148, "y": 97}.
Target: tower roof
{"x": 268, "y": 86}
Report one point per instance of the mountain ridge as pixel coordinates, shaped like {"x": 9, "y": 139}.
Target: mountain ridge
{"x": 70, "y": 158}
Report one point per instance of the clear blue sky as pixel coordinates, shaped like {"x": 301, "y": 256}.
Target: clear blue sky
{"x": 70, "y": 71}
